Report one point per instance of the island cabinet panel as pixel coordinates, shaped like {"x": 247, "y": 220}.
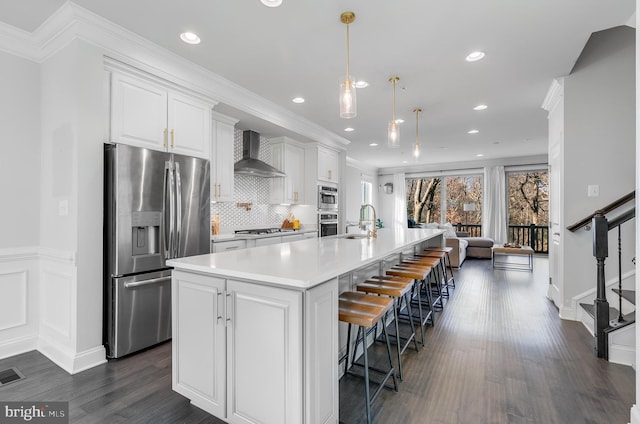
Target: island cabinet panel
{"x": 264, "y": 354}
{"x": 199, "y": 345}
{"x": 321, "y": 353}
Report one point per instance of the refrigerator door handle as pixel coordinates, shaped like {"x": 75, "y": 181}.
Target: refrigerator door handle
{"x": 170, "y": 201}
{"x": 146, "y": 282}
{"x": 178, "y": 209}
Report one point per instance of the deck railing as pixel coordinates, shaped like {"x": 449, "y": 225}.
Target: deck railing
{"x": 536, "y": 236}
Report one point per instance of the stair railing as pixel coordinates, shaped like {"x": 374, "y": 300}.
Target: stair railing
{"x": 601, "y": 227}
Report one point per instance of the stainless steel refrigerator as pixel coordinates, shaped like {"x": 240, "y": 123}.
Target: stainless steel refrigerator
{"x": 156, "y": 208}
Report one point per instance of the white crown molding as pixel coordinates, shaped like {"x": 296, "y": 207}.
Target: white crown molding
{"x": 72, "y": 22}
{"x": 361, "y": 166}
{"x": 554, "y": 95}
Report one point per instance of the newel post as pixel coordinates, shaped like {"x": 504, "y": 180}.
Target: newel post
{"x": 601, "y": 306}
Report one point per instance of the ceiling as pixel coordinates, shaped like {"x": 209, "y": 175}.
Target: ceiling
{"x": 298, "y": 49}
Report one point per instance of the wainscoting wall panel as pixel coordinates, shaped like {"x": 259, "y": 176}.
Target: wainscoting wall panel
{"x": 58, "y": 307}
{"x": 19, "y": 291}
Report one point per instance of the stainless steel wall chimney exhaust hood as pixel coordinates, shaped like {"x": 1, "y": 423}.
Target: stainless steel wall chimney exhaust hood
{"x": 250, "y": 164}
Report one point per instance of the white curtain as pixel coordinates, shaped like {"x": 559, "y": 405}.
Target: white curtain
{"x": 494, "y": 211}
{"x": 400, "y": 201}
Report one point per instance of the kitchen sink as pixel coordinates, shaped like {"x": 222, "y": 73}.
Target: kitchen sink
{"x": 353, "y": 236}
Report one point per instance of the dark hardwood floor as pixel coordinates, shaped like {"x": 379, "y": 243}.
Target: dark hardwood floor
{"x": 498, "y": 354}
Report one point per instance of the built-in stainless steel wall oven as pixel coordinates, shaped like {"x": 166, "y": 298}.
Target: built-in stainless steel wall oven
{"x": 327, "y": 198}
{"x": 327, "y": 223}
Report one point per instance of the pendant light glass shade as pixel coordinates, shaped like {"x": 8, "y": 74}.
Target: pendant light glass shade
{"x": 347, "y": 85}
{"x": 393, "y": 130}
{"x": 416, "y": 147}
{"x": 393, "y": 134}
{"x": 348, "y": 98}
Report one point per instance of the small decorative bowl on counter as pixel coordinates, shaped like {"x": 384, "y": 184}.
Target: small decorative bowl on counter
{"x": 515, "y": 245}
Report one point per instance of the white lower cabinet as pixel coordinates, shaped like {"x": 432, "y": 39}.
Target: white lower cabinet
{"x": 225, "y": 246}
{"x": 250, "y": 353}
{"x": 199, "y": 341}
{"x": 266, "y": 241}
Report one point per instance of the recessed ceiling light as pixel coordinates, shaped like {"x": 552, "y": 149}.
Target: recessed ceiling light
{"x": 298, "y": 100}
{"x": 190, "y": 38}
{"x": 373, "y": 144}
{"x": 473, "y": 132}
{"x": 349, "y": 129}
{"x": 480, "y": 107}
{"x": 479, "y": 155}
{"x": 404, "y": 161}
{"x": 399, "y": 121}
{"x": 474, "y": 56}
{"x": 362, "y": 84}
{"x": 271, "y": 3}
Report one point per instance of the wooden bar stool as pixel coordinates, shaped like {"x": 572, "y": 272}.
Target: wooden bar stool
{"x": 446, "y": 250}
{"x": 365, "y": 311}
{"x": 439, "y": 276}
{"x": 398, "y": 289}
{"x": 419, "y": 274}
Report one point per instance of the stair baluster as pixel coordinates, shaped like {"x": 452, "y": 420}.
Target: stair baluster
{"x": 600, "y": 251}
{"x": 620, "y": 316}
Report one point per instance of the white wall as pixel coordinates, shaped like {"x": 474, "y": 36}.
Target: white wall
{"x": 71, "y": 277}
{"x": 599, "y": 149}
{"x": 20, "y": 193}
{"x": 354, "y": 174}
{"x": 20, "y": 158}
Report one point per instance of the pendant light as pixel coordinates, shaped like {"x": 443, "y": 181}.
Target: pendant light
{"x": 393, "y": 132}
{"x": 347, "y": 87}
{"x": 416, "y": 148}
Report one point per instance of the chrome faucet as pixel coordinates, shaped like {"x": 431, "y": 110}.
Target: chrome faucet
{"x": 373, "y": 233}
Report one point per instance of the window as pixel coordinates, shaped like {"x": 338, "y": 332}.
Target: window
{"x": 455, "y": 199}
{"x": 366, "y": 190}
{"x": 528, "y": 207}
{"x": 464, "y": 202}
{"x": 424, "y": 199}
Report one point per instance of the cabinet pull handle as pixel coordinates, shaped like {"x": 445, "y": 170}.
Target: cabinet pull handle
{"x": 329, "y": 174}
{"x": 295, "y": 196}
{"x": 219, "y": 317}
{"x": 173, "y": 138}
{"x": 218, "y": 190}
{"x": 228, "y": 310}
{"x": 164, "y": 138}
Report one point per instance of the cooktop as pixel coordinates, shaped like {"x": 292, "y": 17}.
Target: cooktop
{"x": 264, "y": 231}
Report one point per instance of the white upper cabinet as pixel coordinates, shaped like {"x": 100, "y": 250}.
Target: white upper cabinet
{"x": 288, "y": 156}
{"x": 189, "y": 123}
{"x": 145, "y": 113}
{"x": 328, "y": 165}
{"x": 222, "y": 159}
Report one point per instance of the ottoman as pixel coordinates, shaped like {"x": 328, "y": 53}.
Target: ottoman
{"x": 479, "y": 247}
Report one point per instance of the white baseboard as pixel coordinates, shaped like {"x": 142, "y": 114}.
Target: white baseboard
{"x": 635, "y": 414}
{"x": 90, "y": 358}
{"x": 568, "y": 313}
{"x": 72, "y": 362}
{"x": 18, "y": 345}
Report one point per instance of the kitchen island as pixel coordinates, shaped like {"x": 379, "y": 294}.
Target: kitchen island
{"x": 255, "y": 332}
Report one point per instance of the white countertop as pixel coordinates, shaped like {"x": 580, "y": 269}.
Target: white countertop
{"x": 304, "y": 263}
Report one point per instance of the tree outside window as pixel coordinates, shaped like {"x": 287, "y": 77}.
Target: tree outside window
{"x": 528, "y": 203}
{"x": 427, "y": 198}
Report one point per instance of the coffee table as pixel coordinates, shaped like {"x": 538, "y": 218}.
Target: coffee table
{"x": 500, "y": 254}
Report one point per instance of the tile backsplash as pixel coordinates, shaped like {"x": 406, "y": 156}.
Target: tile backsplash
{"x": 253, "y": 190}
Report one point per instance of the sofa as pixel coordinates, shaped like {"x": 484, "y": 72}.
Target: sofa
{"x": 463, "y": 246}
